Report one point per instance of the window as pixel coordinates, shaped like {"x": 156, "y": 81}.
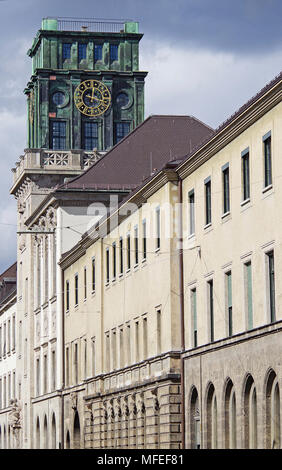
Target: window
{"x": 113, "y": 52}
{"x": 82, "y": 51}
{"x": 158, "y": 228}
{"x": 271, "y": 282}
{"x": 66, "y": 51}
{"x": 38, "y": 376}
{"x": 128, "y": 351}
{"x": 107, "y": 352}
{"x": 136, "y": 341}
{"x": 58, "y": 135}
{"x": 246, "y": 174}
{"x": 159, "y": 331}
{"x": 226, "y": 191}
{"x": 76, "y": 363}
{"x": 13, "y": 333}
{"x": 53, "y": 370}
{"x": 249, "y": 294}
{"x": 76, "y": 289}
{"x": 194, "y": 317}
{"x": 128, "y": 251}
{"x": 45, "y": 373}
{"x": 228, "y": 281}
{"x": 121, "y": 346}
{"x": 0, "y": 342}
{"x": 114, "y": 349}
{"x": 85, "y": 283}
{"x": 90, "y": 135}
{"x": 107, "y": 266}
{"x": 114, "y": 260}
{"x": 208, "y": 200}
{"x": 93, "y": 343}
{"x": 121, "y": 255}
{"x": 9, "y": 336}
{"x": 145, "y": 338}
{"x": 136, "y": 244}
{"x": 211, "y": 310}
{"x": 121, "y": 130}
{"x": 144, "y": 239}
{"x": 85, "y": 358}
{"x": 58, "y": 98}
{"x": 93, "y": 275}
{"x": 191, "y": 200}
{"x": 267, "y": 159}
{"x": 67, "y": 366}
{"x": 98, "y": 49}
{"x": 67, "y": 296}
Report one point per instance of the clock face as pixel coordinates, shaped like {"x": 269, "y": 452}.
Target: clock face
{"x": 92, "y": 98}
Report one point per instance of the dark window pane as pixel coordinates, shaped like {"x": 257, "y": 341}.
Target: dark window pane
{"x": 66, "y": 51}
{"x": 113, "y": 52}
{"x": 246, "y": 176}
{"x": 226, "y": 200}
{"x": 267, "y": 162}
{"x": 82, "y": 51}
{"x": 122, "y": 129}
{"x": 58, "y": 98}
{"x": 58, "y": 135}
{"x": 208, "y": 202}
{"x": 90, "y": 135}
{"x": 98, "y": 52}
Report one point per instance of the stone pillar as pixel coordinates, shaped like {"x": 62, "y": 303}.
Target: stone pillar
{"x": 124, "y": 423}
{"x": 104, "y": 425}
{"x": 140, "y": 421}
{"x": 152, "y": 419}
{"x": 88, "y": 426}
{"x": 97, "y": 410}
{"x": 132, "y": 422}
{"x": 170, "y": 416}
{"x": 118, "y": 423}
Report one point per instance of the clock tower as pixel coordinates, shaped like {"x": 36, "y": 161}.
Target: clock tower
{"x": 86, "y": 91}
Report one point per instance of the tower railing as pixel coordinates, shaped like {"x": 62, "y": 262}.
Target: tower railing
{"x": 92, "y": 25}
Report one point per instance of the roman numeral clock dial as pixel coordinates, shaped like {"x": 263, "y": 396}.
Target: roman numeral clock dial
{"x": 92, "y": 98}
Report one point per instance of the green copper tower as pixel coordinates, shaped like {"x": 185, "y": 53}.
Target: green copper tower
{"x": 86, "y": 90}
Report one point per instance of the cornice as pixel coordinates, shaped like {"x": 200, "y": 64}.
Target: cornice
{"x": 236, "y": 126}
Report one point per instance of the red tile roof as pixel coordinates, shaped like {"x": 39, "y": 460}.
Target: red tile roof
{"x": 146, "y": 149}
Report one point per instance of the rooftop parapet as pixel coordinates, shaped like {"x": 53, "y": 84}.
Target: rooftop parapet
{"x": 90, "y": 25}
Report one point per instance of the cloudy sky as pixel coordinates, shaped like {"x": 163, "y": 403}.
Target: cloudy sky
{"x": 204, "y": 57}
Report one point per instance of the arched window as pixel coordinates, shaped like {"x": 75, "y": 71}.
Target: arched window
{"x": 211, "y": 418}
{"x": 76, "y": 432}
{"x": 250, "y": 412}
{"x": 230, "y": 417}
{"x": 37, "y": 441}
{"x": 53, "y": 431}
{"x": 45, "y": 433}
{"x": 272, "y": 412}
{"x": 195, "y": 425}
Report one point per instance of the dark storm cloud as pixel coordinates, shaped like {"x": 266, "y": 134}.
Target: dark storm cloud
{"x": 241, "y": 26}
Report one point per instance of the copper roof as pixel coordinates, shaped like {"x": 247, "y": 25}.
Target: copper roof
{"x": 158, "y": 140}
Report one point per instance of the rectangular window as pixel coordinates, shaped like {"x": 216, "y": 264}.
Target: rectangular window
{"x": 191, "y": 200}
{"x": 114, "y": 261}
{"x": 82, "y": 51}
{"x": 98, "y": 49}
{"x": 121, "y": 349}
{"x": 208, "y": 200}
{"x": 211, "y": 310}
{"x": 93, "y": 343}
{"x": 58, "y": 135}
{"x": 45, "y": 373}
{"x": 249, "y": 294}
{"x": 54, "y": 371}
{"x": 107, "y": 352}
{"x": 76, "y": 363}
{"x": 158, "y": 228}
{"x": 38, "y": 376}
{"x": 267, "y": 160}
{"x": 67, "y": 296}
{"x": 144, "y": 239}
{"x": 85, "y": 283}
{"x": 136, "y": 244}
{"x": 13, "y": 333}
{"x": 107, "y": 266}
{"x": 121, "y": 255}
{"x": 194, "y": 317}
{"x": 271, "y": 281}
{"x": 121, "y": 130}
{"x": 85, "y": 358}
{"x": 128, "y": 251}
{"x": 113, "y": 52}
{"x": 159, "y": 331}
{"x": 226, "y": 190}
{"x": 66, "y": 51}
{"x": 67, "y": 366}
{"x": 93, "y": 275}
{"x": 0, "y": 342}
{"x": 228, "y": 281}
{"x": 128, "y": 346}
{"x": 76, "y": 289}
{"x": 9, "y": 336}
{"x": 114, "y": 349}
{"x": 246, "y": 174}
{"x": 90, "y": 135}
{"x": 137, "y": 341}
{"x": 4, "y": 340}
{"x": 145, "y": 338}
